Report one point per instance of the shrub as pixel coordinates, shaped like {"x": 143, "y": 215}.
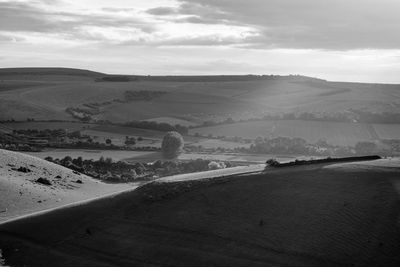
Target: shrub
{"x": 43, "y": 181}
{"x": 215, "y": 165}
{"x": 172, "y": 145}
{"x": 272, "y": 162}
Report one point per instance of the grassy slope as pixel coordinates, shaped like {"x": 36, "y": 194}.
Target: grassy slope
{"x": 20, "y": 194}
{"x": 68, "y": 87}
{"x": 47, "y": 74}
{"x": 46, "y": 93}
{"x": 300, "y": 216}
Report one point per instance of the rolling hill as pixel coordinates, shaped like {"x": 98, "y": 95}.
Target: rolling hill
{"x": 46, "y": 93}
{"x": 317, "y": 215}
{"x": 69, "y": 94}
{"x": 47, "y": 74}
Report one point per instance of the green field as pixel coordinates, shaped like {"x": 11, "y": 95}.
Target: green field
{"x": 336, "y": 133}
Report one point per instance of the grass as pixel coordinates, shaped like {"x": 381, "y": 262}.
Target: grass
{"x": 192, "y": 101}
{"x": 335, "y": 133}
{"x": 387, "y": 131}
{"x": 298, "y": 216}
{"x": 69, "y": 126}
{"x": 173, "y": 121}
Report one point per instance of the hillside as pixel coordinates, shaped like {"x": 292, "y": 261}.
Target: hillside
{"x": 46, "y": 93}
{"x": 351, "y": 112}
{"x": 45, "y": 73}
{"x": 21, "y": 191}
{"x": 318, "y": 215}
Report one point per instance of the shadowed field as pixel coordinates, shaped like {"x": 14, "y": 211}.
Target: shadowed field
{"x": 344, "y": 215}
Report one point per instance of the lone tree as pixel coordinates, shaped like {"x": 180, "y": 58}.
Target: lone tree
{"x": 172, "y": 145}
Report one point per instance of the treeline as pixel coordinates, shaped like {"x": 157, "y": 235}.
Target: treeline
{"x": 222, "y": 78}
{"x": 158, "y": 126}
{"x": 101, "y": 146}
{"x": 115, "y": 78}
{"x": 275, "y": 163}
{"x": 45, "y": 133}
{"x": 20, "y": 147}
{"x": 107, "y": 170}
{"x": 352, "y": 116}
{"x": 58, "y": 138}
{"x": 16, "y": 143}
{"x": 370, "y": 117}
{"x": 299, "y": 146}
{"x": 306, "y": 116}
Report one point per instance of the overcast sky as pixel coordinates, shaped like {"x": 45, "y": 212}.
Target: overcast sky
{"x": 347, "y": 40}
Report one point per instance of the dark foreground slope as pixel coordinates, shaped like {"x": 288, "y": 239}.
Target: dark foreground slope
{"x": 295, "y": 216}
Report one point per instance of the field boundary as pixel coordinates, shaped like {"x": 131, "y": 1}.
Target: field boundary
{"x": 276, "y": 164}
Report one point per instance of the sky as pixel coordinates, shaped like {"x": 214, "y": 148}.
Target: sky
{"x": 339, "y": 40}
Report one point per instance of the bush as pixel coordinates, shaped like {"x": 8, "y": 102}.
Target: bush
{"x": 43, "y": 181}
{"x": 172, "y": 145}
{"x": 216, "y": 166}
{"x": 272, "y": 162}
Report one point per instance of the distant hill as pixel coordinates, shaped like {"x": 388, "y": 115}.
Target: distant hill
{"x": 222, "y": 78}
{"x": 48, "y": 71}
{"x": 66, "y": 94}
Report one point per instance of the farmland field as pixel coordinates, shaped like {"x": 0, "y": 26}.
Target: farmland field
{"x": 215, "y": 143}
{"x": 128, "y": 131}
{"x": 96, "y": 154}
{"x": 145, "y": 156}
{"x": 387, "y": 131}
{"x": 69, "y": 126}
{"x": 117, "y": 134}
{"x": 336, "y": 133}
{"x": 172, "y": 121}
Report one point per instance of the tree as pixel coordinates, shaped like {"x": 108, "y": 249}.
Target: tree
{"x": 108, "y": 141}
{"x": 130, "y": 140}
{"x": 172, "y": 145}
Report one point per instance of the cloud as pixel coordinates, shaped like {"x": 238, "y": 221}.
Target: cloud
{"x": 10, "y": 38}
{"x": 312, "y": 24}
{"x": 29, "y": 17}
{"x": 255, "y": 24}
{"x": 162, "y": 11}
{"x": 117, "y": 9}
{"x": 204, "y": 40}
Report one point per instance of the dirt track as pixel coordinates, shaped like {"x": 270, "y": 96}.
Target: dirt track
{"x": 298, "y": 216}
